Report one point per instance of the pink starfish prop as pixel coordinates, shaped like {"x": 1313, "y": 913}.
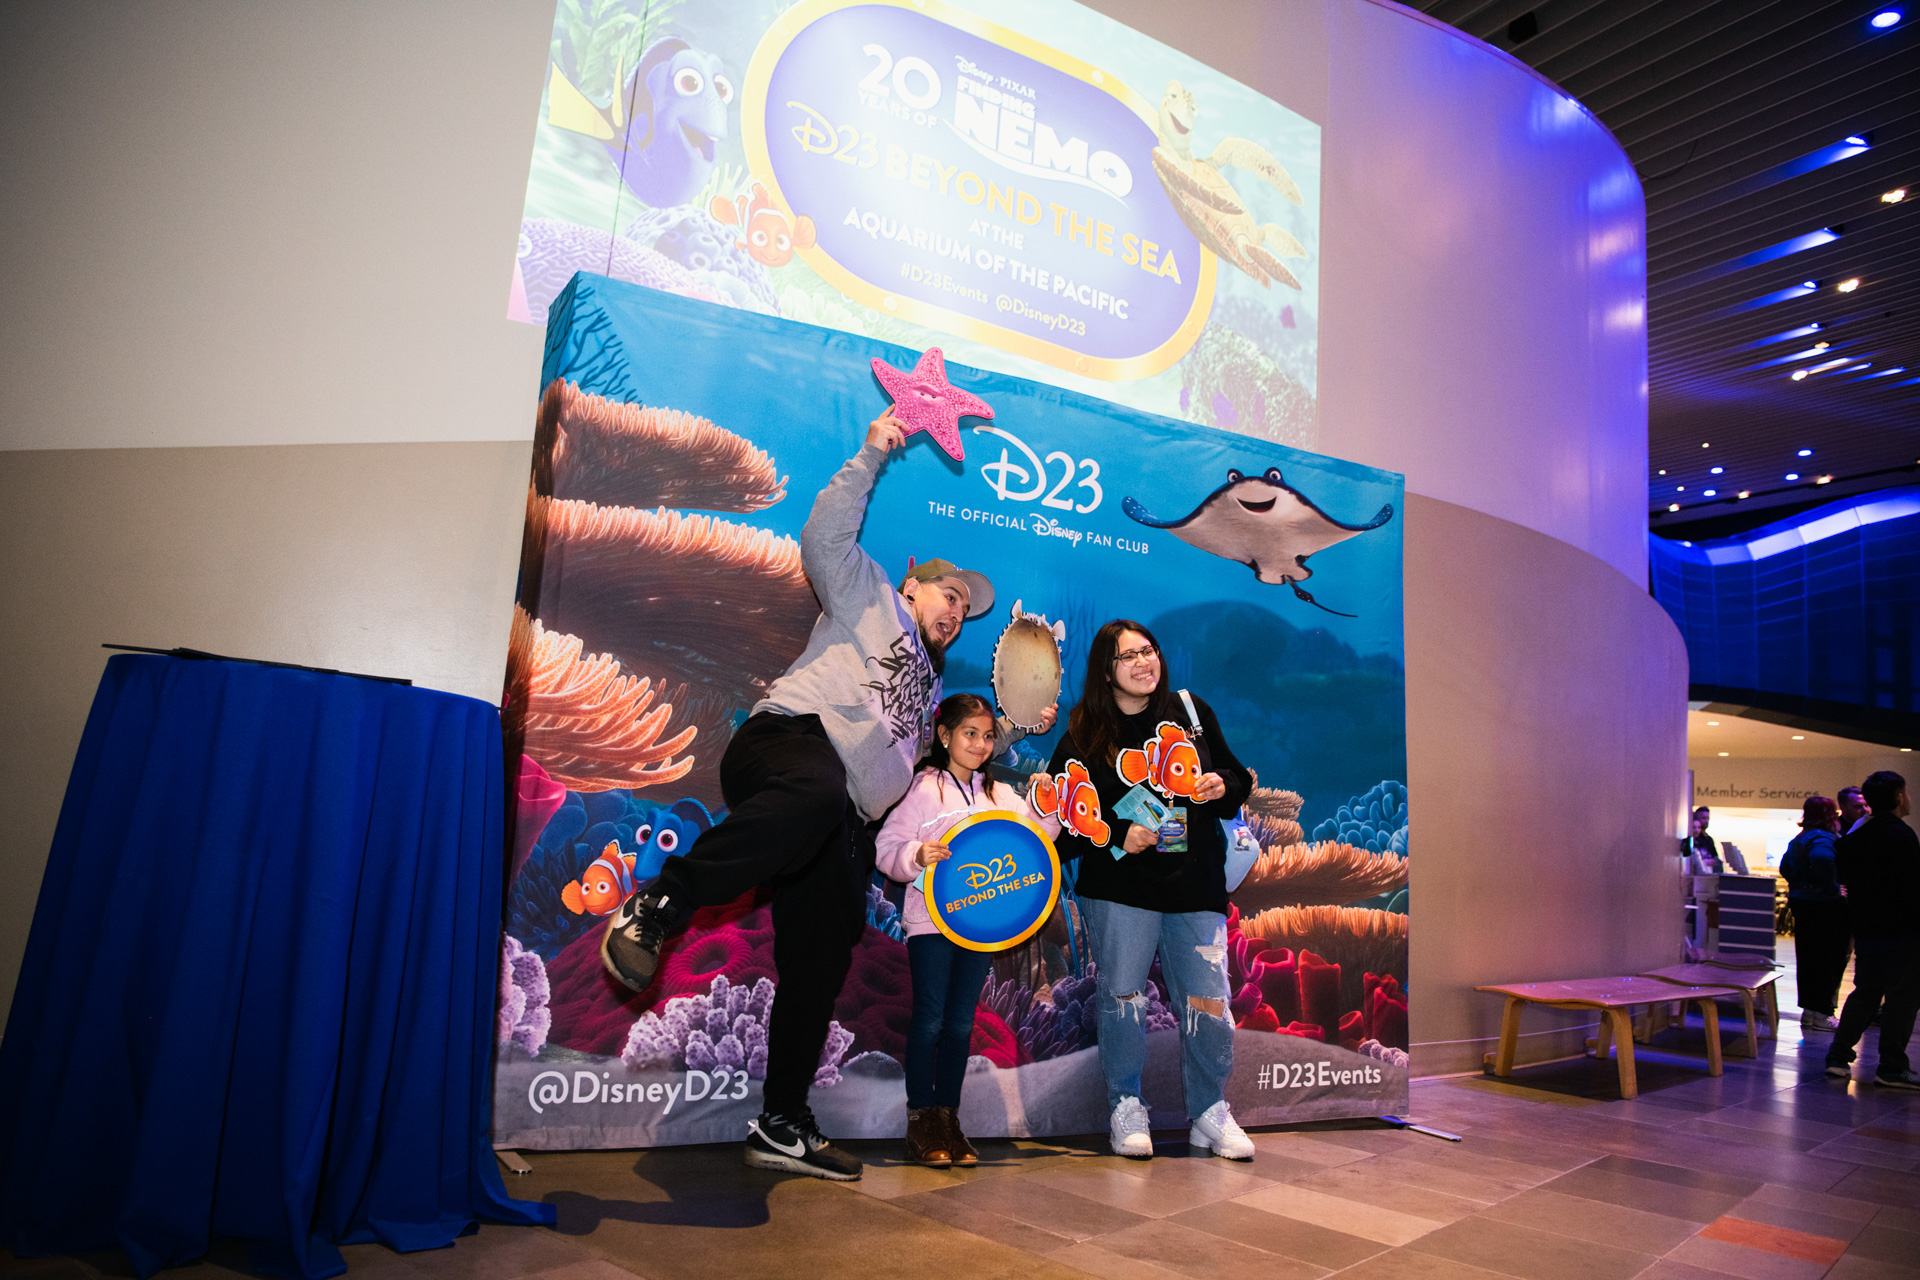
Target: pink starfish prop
{"x": 926, "y": 401}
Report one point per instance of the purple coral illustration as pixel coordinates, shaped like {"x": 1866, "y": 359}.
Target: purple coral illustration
{"x": 727, "y": 1027}
{"x": 524, "y": 1017}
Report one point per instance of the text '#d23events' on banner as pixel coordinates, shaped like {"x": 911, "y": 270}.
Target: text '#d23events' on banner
{"x": 965, "y": 177}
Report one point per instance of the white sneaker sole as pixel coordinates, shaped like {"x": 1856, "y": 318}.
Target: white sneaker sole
{"x": 1143, "y": 1150}
{"x": 757, "y": 1159}
{"x": 1195, "y": 1138}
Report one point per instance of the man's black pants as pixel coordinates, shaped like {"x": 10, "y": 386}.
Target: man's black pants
{"x": 1886, "y": 968}
{"x": 790, "y": 825}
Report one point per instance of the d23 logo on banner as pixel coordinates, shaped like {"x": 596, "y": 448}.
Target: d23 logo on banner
{"x": 962, "y": 176}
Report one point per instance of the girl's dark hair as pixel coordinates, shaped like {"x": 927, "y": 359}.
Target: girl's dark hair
{"x": 1095, "y": 722}
{"x": 1818, "y": 813}
{"x": 954, "y": 709}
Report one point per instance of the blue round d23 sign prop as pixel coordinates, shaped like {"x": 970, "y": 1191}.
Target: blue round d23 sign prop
{"x": 999, "y": 886}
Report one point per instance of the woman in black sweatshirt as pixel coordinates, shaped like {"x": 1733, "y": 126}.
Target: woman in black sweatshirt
{"x": 1140, "y": 785}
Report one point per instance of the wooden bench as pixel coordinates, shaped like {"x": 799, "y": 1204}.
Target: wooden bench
{"x": 1754, "y": 979}
{"x": 1615, "y": 998}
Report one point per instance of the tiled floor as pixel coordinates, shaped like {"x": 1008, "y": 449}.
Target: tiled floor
{"x": 1771, "y": 1171}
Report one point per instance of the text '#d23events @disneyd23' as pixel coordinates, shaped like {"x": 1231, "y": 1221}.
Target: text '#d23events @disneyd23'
{"x": 679, "y": 446}
{"x": 1026, "y": 183}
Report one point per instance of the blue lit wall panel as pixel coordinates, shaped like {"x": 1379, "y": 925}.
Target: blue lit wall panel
{"x": 1825, "y": 605}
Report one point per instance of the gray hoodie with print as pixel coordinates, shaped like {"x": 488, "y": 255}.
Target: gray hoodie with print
{"x": 865, "y": 671}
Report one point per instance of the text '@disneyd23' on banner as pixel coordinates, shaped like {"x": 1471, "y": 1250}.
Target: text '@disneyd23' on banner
{"x": 1032, "y": 186}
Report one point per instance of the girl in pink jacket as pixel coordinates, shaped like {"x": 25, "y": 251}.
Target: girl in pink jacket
{"x": 946, "y": 977}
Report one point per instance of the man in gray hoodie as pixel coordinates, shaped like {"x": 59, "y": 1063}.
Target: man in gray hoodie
{"x": 832, "y": 746}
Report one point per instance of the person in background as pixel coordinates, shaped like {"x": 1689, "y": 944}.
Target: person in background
{"x": 1145, "y": 891}
{"x": 1853, "y": 810}
{"x": 1880, "y": 866}
{"x": 946, "y": 976}
{"x": 1821, "y": 938}
{"x": 1701, "y": 853}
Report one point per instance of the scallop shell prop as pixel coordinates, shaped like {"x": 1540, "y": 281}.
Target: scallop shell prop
{"x": 1026, "y": 667}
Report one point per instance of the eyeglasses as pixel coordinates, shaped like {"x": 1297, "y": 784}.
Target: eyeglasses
{"x": 1136, "y": 655}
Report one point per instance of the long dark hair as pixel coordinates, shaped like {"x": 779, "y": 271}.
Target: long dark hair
{"x": 955, "y": 709}
{"x": 1095, "y": 722}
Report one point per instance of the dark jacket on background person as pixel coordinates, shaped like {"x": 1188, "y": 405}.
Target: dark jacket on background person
{"x": 1808, "y": 867}
{"x": 1880, "y": 865}
{"x": 1170, "y": 883}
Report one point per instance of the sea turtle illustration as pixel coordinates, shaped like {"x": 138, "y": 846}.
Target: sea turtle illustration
{"x": 1207, "y": 202}
{"x": 1265, "y": 524}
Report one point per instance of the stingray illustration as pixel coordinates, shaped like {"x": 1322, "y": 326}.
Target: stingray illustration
{"x": 1263, "y": 523}
{"x": 679, "y": 97}
{"x": 1213, "y": 210}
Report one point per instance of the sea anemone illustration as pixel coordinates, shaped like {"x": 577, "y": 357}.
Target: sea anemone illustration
{"x": 592, "y": 449}
{"x": 1271, "y": 803}
{"x": 1360, "y": 940}
{"x": 1229, "y": 382}
{"x": 589, "y": 726}
{"x": 648, "y": 584}
{"x": 711, "y": 252}
{"x": 1376, "y": 821}
{"x": 1324, "y": 874}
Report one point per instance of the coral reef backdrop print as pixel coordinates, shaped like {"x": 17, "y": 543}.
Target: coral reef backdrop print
{"x": 677, "y": 451}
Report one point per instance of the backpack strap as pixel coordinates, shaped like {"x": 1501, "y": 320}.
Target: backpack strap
{"x": 1198, "y": 734}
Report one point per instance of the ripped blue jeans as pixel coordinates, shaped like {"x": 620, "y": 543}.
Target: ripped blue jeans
{"x": 1193, "y": 959}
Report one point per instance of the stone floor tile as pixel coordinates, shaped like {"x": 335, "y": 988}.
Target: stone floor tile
{"x": 1153, "y": 1197}
{"x": 1357, "y": 1182}
{"x": 1274, "y": 1233}
{"x": 1748, "y": 1264}
{"x": 1593, "y": 1220}
{"x": 1406, "y": 1264}
{"x": 1820, "y": 1202}
{"x": 1804, "y": 1245}
{"x": 1371, "y": 1222}
{"x": 1531, "y": 1253}
{"x": 1794, "y": 1218}
{"x": 1181, "y": 1249}
{"x": 1859, "y": 1148}
{"x": 1885, "y": 1244}
{"x": 1094, "y": 1261}
{"x": 1690, "y": 1204}
{"x": 1852, "y": 1268}
{"x": 1882, "y": 1186}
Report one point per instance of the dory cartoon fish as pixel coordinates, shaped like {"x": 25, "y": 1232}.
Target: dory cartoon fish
{"x": 1168, "y": 762}
{"x": 603, "y": 886}
{"x": 766, "y": 234}
{"x": 1070, "y": 797}
{"x": 673, "y": 831}
{"x": 1265, "y": 524}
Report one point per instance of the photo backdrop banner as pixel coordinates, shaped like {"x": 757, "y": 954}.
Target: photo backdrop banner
{"x": 678, "y": 450}
{"x": 1027, "y": 183}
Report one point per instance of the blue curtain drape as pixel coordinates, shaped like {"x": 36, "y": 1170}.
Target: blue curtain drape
{"x": 257, "y": 998}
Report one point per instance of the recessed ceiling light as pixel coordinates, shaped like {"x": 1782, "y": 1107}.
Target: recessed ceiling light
{"x": 1809, "y": 284}
{"x": 1823, "y": 479}
{"x": 1821, "y": 346}
{"x": 1663, "y": 471}
{"x": 1804, "y": 453}
{"x": 1703, "y": 444}
{"x": 1715, "y": 470}
{"x": 1884, "y": 19}
{"x": 1723, "y": 753}
{"x": 1799, "y": 737}
{"x": 1711, "y": 493}
{"x": 1906, "y": 748}
{"x": 1714, "y": 723}
{"x": 1793, "y": 475}
{"x": 1799, "y": 375}
{"x": 1679, "y": 488}
{"x": 1856, "y": 139}
{"x": 1673, "y": 506}
{"x": 1894, "y": 196}
{"x": 1848, "y": 286}
{"x": 1746, "y": 493}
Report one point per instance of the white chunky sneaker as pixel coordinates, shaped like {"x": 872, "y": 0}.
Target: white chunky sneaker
{"x": 1217, "y": 1131}
{"x": 1130, "y": 1135}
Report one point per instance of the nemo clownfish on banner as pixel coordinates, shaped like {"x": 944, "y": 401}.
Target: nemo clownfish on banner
{"x": 604, "y": 886}
{"x": 1071, "y": 798}
{"x": 1168, "y": 763}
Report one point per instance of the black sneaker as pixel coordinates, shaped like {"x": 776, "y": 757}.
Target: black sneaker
{"x": 1900, "y": 1080}
{"x": 794, "y": 1144}
{"x": 630, "y": 949}
{"x": 1840, "y": 1070}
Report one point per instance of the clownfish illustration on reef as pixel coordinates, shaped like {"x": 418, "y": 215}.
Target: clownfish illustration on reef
{"x": 1070, "y": 797}
{"x": 603, "y": 886}
{"x": 1168, "y": 762}
{"x": 1265, "y": 524}
{"x": 766, "y": 234}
